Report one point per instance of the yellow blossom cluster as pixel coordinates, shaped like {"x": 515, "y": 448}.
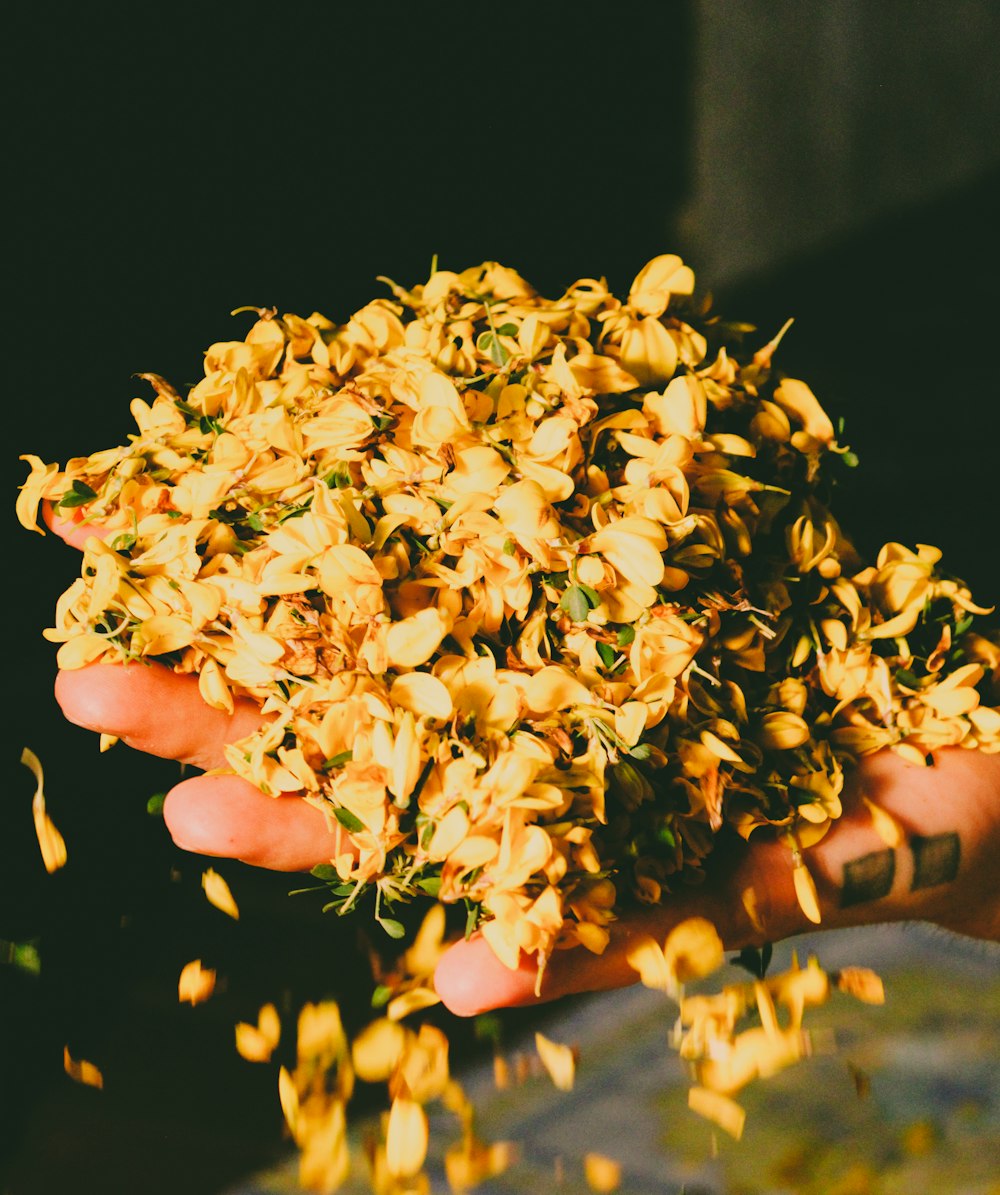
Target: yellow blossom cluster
{"x": 536, "y": 594}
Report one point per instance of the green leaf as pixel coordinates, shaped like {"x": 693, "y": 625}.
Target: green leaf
{"x": 489, "y": 344}
{"x": 337, "y": 761}
{"x": 850, "y": 459}
{"x": 325, "y": 871}
{"x": 507, "y": 330}
{"x": 509, "y": 547}
{"x": 122, "y": 543}
{"x": 607, "y": 654}
{"x": 471, "y": 918}
{"x": 381, "y": 996}
{"x": 23, "y": 955}
{"x": 255, "y": 521}
{"x": 488, "y": 1027}
{"x": 963, "y": 624}
{"x": 430, "y": 884}
{"x": 394, "y": 928}
{"x": 641, "y": 751}
{"x": 626, "y": 635}
{"x": 666, "y": 836}
{"x": 154, "y": 806}
{"x": 295, "y": 512}
{"x": 574, "y": 602}
{"x": 78, "y": 493}
{"x": 592, "y": 596}
{"x": 347, "y": 819}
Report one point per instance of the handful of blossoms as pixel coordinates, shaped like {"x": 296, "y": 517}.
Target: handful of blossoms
{"x": 536, "y": 595}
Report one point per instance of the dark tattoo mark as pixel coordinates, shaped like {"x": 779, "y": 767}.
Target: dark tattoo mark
{"x": 868, "y": 878}
{"x": 935, "y": 860}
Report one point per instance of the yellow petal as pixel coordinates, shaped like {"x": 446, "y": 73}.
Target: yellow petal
{"x": 423, "y": 695}
{"x": 558, "y": 1060}
{"x": 81, "y": 1071}
{"x": 448, "y": 833}
{"x": 196, "y": 983}
{"x": 218, "y": 894}
{"x": 649, "y": 352}
{"x": 861, "y": 983}
{"x": 602, "y": 1174}
{"x": 555, "y": 688}
{"x": 645, "y": 956}
{"x": 718, "y": 1108}
{"x": 405, "y": 1138}
{"x": 412, "y": 641}
{"x": 414, "y": 1000}
{"x": 377, "y": 1049}
{"x": 660, "y": 278}
{"x": 805, "y": 893}
{"x": 782, "y": 730}
{"x": 886, "y": 826}
{"x": 50, "y": 841}
{"x": 288, "y": 1096}
{"x": 693, "y": 949}
{"x": 252, "y": 1044}
{"x": 269, "y": 1023}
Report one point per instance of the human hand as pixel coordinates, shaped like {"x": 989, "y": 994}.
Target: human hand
{"x": 942, "y": 871}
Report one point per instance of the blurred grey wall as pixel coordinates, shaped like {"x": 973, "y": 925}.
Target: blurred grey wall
{"x": 812, "y": 118}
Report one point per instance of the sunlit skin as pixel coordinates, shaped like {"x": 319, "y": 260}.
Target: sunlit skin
{"x": 161, "y": 713}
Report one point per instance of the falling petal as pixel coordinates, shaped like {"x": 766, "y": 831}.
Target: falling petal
{"x": 718, "y": 1108}
{"x": 50, "y": 841}
{"x": 218, "y": 894}
{"x": 81, "y": 1071}
{"x": 558, "y": 1060}
{"x": 602, "y": 1174}
{"x": 693, "y": 949}
{"x": 406, "y": 1138}
{"x": 805, "y": 893}
{"x": 196, "y": 983}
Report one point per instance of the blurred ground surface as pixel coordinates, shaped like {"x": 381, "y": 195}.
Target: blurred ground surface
{"x": 929, "y": 1125}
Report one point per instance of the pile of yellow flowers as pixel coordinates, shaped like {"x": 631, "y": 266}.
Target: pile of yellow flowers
{"x": 537, "y": 595}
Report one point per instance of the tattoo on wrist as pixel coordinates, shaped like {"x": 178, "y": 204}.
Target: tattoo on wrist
{"x": 935, "y": 860}
{"x": 870, "y": 877}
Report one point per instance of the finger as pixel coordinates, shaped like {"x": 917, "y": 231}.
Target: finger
{"x": 227, "y": 817}
{"x": 155, "y": 710}
{"x": 73, "y": 528}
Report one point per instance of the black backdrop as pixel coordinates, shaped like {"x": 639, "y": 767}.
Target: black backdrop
{"x": 168, "y": 169}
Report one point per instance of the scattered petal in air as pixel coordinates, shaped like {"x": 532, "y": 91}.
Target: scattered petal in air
{"x": 218, "y": 894}
{"x": 645, "y": 956}
{"x": 406, "y": 1138}
{"x": 196, "y": 983}
{"x": 558, "y": 1060}
{"x": 719, "y": 1109}
{"x": 862, "y": 984}
{"x": 50, "y": 841}
{"x": 81, "y": 1071}
{"x": 256, "y": 1043}
{"x": 602, "y": 1174}
{"x": 693, "y": 949}
{"x": 805, "y": 892}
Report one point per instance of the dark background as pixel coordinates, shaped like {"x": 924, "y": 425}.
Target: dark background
{"x": 814, "y": 161}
